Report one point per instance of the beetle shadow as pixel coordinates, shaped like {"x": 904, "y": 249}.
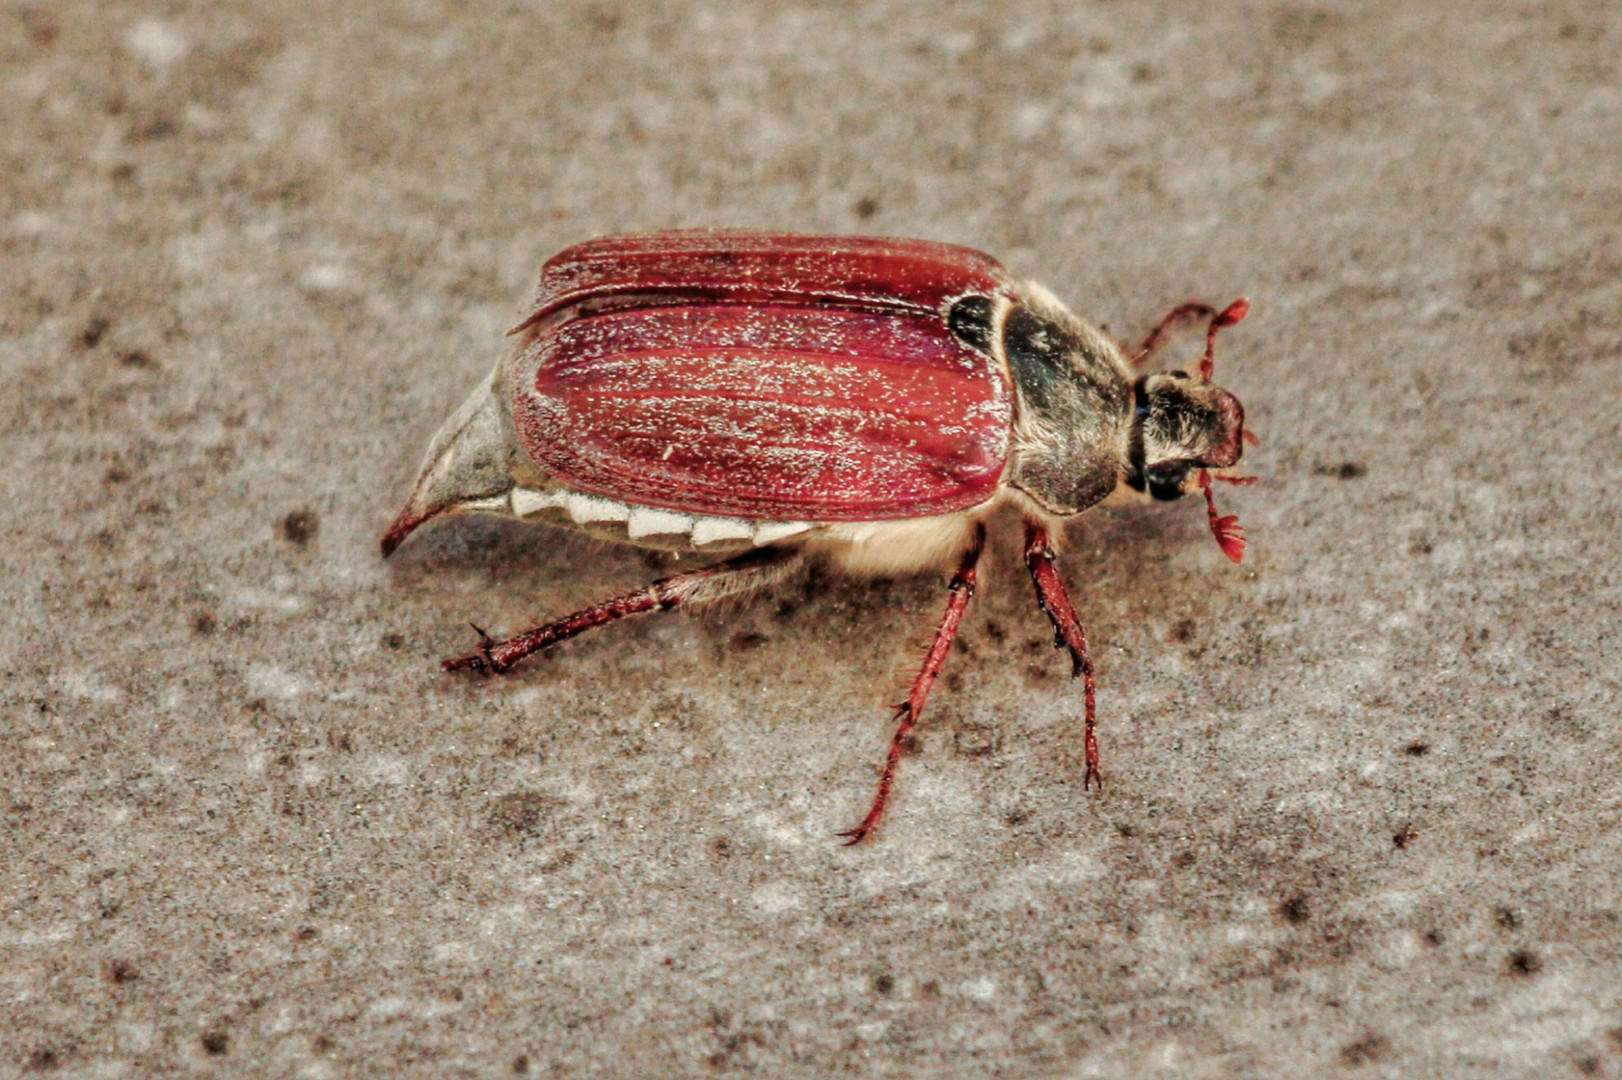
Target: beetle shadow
{"x": 1136, "y": 535}
{"x": 1141, "y": 570}
{"x": 507, "y": 552}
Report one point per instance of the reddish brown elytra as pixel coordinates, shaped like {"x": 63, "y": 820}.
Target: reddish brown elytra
{"x": 869, "y": 402}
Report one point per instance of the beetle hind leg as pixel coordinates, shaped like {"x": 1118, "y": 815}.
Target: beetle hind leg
{"x": 746, "y": 573}
{"x": 961, "y": 591}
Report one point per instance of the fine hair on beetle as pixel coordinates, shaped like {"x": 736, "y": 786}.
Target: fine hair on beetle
{"x": 773, "y": 403}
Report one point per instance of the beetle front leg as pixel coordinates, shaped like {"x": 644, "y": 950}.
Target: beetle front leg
{"x": 961, "y": 591}
{"x": 746, "y": 573}
{"x": 1055, "y": 601}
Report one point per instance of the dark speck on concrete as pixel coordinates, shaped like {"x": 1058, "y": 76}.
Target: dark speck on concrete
{"x": 1370, "y": 1048}
{"x": 300, "y": 526}
{"x": 1524, "y": 962}
{"x": 94, "y": 330}
{"x": 1346, "y": 470}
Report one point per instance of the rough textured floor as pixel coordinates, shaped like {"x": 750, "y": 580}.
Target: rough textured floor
{"x": 1363, "y": 813}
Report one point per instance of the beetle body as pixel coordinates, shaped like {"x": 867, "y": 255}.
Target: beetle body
{"x": 864, "y": 400}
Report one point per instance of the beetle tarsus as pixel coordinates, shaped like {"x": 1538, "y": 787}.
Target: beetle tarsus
{"x": 906, "y": 718}
{"x": 1052, "y": 598}
{"x": 960, "y": 591}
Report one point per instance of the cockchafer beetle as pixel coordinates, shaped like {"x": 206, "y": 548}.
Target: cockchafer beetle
{"x": 861, "y": 400}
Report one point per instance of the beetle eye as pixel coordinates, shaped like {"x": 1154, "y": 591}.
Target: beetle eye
{"x": 1165, "y": 480}
{"x": 970, "y": 320}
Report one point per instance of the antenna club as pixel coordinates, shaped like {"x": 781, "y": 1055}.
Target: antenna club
{"x": 1230, "y": 535}
{"x": 1226, "y": 317}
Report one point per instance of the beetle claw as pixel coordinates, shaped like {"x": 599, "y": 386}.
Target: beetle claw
{"x": 479, "y": 661}
{"x": 465, "y": 663}
{"x": 855, "y": 836}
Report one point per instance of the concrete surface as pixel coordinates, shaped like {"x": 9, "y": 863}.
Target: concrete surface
{"x": 1362, "y": 812}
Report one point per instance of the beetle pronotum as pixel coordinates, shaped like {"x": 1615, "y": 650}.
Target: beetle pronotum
{"x": 864, "y": 401}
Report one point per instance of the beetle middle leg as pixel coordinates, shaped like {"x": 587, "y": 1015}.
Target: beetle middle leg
{"x": 747, "y": 572}
{"x": 1068, "y": 631}
{"x": 961, "y": 591}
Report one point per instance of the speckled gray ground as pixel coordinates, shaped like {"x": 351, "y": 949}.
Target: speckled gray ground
{"x": 1363, "y": 808}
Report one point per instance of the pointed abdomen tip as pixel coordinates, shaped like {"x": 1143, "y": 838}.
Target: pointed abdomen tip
{"x": 403, "y": 527}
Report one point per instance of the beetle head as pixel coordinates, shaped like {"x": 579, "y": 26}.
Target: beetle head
{"x": 1183, "y": 428}
{"x": 1181, "y": 425}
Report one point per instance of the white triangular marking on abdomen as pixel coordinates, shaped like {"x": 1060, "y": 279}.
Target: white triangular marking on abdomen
{"x": 651, "y": 521}
{"x": 709, "y": 530}
{"x": 586, "y": 509}
{"x": 527, "y": 501}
